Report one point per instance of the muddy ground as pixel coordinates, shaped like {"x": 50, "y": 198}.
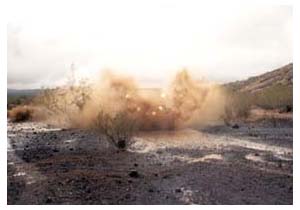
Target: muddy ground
{"x": 246, "y": 164}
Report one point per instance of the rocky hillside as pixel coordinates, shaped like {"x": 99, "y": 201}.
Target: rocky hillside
{"x": 282, "y": 76}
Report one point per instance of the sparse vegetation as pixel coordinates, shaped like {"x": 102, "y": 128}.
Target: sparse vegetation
{"x": 65, "y": 102}
{"x": 118, "y": 128}
{"x": 275, "y": 97}
{"x": 273, "y": 121}
{"x": 237, "y": 106}
{"x": 24, "y": 113}
{"x": 21, "y": 113}
{"x": 18, "y": 100}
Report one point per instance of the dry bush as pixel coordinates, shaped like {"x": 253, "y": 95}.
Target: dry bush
{"x": 237, "y": 106}
{"x": 274, "y": 121}
{"x": 118, "y": 128}
{"x": 27, "y": 113}
{"x": 64, "y": 104}
{"x": 21, "y": 114}
{"x": 276, "y": 97}
{"x": 13, "y": 101}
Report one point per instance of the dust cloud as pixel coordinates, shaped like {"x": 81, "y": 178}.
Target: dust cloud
{"x": 185, "y": 103}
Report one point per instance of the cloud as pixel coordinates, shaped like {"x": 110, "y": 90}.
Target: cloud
{"x": 153, "y": 41}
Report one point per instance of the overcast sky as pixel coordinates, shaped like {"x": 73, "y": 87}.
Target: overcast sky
{"x": 148, "y": 41}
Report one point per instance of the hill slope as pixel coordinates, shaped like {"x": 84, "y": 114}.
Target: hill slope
{"x": 282, "y": 76}
{"x": 272, "y": 90}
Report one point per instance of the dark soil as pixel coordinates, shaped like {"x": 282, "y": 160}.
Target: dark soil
{"x": 251, "y": 164}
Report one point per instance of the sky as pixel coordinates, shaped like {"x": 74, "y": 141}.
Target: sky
{"x": 149, "y": 41}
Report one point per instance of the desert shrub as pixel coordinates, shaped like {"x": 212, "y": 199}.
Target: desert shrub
{"x": 66, "y": 102}
{"x": 17, "y": 100}
{"x": 242, "y": 104}
{"x": 118, "y": 128}
{"x": 287, "y": 108}
{"x": 227, "y": 116}
{"x": 237, "y": 106}
{"x": 274, "y": 121}
{"x": 275, "y": 97}
{"x": 21, "y": 113}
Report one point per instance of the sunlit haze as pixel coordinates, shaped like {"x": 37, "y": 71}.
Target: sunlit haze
{"x": 148, "y": 41}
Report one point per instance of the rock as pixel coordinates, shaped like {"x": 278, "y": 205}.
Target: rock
{"x": 236, "y": 126}
{"x": 121, "y": 144}
{"x": 289, "y": 108}
{"x": 118, "y": 181}
{"x": 55, "y": 150}
{"x": 166, "y": 176}
{"x": 150, "y": 190}
{"x": 134, "y": 174}
{"x": 178, "y": 190}
{"x": 49, "y": 200}
{"x": 136, "y": 165}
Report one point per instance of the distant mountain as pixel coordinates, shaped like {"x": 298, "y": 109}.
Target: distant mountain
{"x": 282, "y": 76}
{"x": 25, "y": 92}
